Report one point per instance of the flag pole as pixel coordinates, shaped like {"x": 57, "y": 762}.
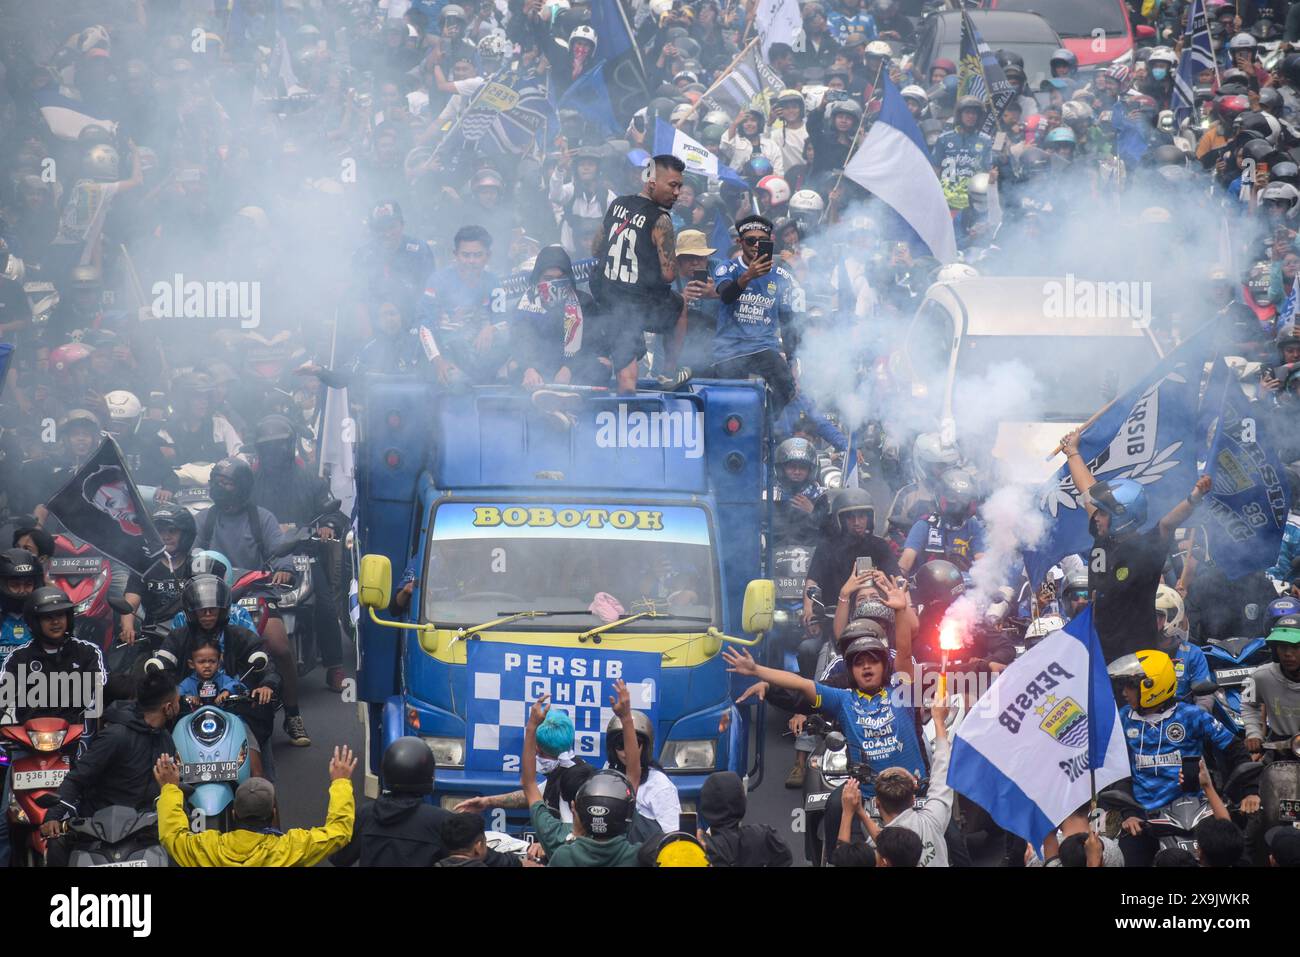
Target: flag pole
{"x": 718, "y": 82}
{"x": 853, "y": 143}
{"x": 1087, "y": 425}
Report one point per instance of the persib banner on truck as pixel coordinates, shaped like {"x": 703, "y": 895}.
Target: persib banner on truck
{"x": 505, "y": 679}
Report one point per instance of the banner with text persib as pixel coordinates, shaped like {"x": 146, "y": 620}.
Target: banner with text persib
{"x": 505, "y": 679}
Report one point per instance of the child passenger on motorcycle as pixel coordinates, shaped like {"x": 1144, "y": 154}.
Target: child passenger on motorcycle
{"x": 209, "y": 683}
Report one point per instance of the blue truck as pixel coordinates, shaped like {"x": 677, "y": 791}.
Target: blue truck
{"x": 558, "y": 548}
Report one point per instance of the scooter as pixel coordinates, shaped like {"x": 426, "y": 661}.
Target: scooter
{"x": 212, "y": 743}
{"x": 828, "y": 768}
{"x": 86, "y": 577}
{"x": 1172, "y": 826}
{"x": 115, "y": 836}
{"x": 790, "y": 572}
{"x": 40, "y": 753}
{"x": 1231, "y": 662}
{"x": 1279, "y": 783}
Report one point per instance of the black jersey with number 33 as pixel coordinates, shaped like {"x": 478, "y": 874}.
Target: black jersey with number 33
{"x": 629, "y": 262}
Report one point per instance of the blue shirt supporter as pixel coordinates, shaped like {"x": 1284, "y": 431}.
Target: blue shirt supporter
{"x": 879, "y": 732}
{"x": 753, "y": 322}
{"x": 1159, "y": 742}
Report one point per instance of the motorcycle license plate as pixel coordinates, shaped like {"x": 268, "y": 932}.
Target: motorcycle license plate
{"x": 248, "y": 603}
{"x": 815, "y": 802}
{"x": 1290, "y": 809}
{"x": 209, "y": 771}
{"x": 75, "y": 566}
{"x": 123, "y": 864}
{"x": 1228, "y": 674}
{"x": 37, "y": 780}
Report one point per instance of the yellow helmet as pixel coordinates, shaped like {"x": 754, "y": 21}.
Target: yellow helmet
{"x": 1151, "y": 671}
{"x": 680, "y": 850}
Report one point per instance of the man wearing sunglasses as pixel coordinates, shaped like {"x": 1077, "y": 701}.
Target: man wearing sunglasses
{"x": 759, "y": 304}
{"x": 1127, "y": 558}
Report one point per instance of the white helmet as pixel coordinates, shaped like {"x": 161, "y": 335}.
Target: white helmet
{"x": 494, "y": 46}
{"x": 1242, "y": 41}
{"x": 1040, "y": 628}
{"x": 583, "y": 32}
{"x": 777, "y": 189}
{"x": 680, "y": 112}
{"x": 1170, "y": 603}
{"x": 814, "y": 96}
{"x": 878, "y": 48}
{"x": 956, "y": 272}
{"x": 1074, "y": 110}
{"x": 806, "y": 205}
{"x": 659, "y": 7}
{"x": 914, "y": 92}
{"x": 123, "y": 406}
{"x": 1164, "y": 54}
{"x": 1282, "y": 193}
{"x": 717, "y": 118}
{"x": 931, "y": 458}
{"x": 978, "y": 191}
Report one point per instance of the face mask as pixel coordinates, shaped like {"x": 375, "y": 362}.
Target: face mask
{"x": 1159, "y": 73}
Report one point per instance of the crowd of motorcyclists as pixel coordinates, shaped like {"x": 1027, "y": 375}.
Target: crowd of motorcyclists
{"x": 329, "y": 165}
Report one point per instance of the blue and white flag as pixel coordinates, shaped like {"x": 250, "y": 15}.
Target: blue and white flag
{"x": 6, "y": 355}
{"x": 980, "y": 74}
{"x": 1250, "y": 496}
{"x": 893, "y": 163}
{"x": 697, "y": 157}
{"x": 1287, "y": 311}
{"x": 589, "y": 95}
{"x": 67, "y": 117}
{"x": 1025, "y": 751}
{"x": 1197, "y": 55}
{"x": 1148, "y": 434}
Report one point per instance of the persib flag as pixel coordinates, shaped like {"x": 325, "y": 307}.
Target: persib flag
{"x": 1197, "y": 55}
{"x": 894, "y": 164}
{"x": 1148, "y": 434}
{"x": 1024, "y": 753}
{"x": 696, "y": 156}
{"x": 1250, "y": 496}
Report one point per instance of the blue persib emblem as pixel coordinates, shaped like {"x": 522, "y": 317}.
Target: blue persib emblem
{"x": 505, "y": 679}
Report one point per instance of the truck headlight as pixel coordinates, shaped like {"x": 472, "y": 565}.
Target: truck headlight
{"x": 448, "y": 802}
{"x": 448, "y": 752}
{"x": 689, "y": 755}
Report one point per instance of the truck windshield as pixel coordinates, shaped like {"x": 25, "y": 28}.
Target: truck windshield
{"x": 485, "y": 559}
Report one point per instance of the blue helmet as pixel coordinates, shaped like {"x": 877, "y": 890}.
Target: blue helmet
{"x": 1124, "y": 500}
{"x": 1278, "y": 607}
{"x": 209, "y": 562}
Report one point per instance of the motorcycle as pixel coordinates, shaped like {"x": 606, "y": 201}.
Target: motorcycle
{"x": 40, "y": 755}
{"x": 1279, "y": 784}
{"x": 212, "y": 743}
{"x": 115, "y": 836}
{"x": 1172, "y": 826}
{"x": 790, "y": 572}
{"x": 1231, "y": 662}
{"x": 828, "y": 769}
{"x": 86, "y": 577}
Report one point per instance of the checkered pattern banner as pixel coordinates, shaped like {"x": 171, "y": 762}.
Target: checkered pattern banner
{"x": 504, "y": 680}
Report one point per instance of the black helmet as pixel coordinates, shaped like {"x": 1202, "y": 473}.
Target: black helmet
{"x": 1286, "y": 171}
{"x": 48, "y": 600}
{"x": 858, "y": 629}
{"x": 1034, "y": 161}
{"x": 957, "y": 495}
{"x": 868, "y": 645}
{"x": 205, "y": 591}
{"x": 645, "y": 736}
{"x": 1270, "y": 99}
{"x": 794, "y": 451}
{"x": 605, "y": 804}
{"x": 18, "y": 564}
{"x": 1291, "y": 69}
{"x": 408, "y": 767}
{"x": 274, "y": 428}
{"x": 853, "y": 500}
{"x": 237, "y": 471}
{"x": 1167, "y": 155}
{"x": 1065, "y": 58}
{"x": 938, "y": 583}
{"x": 179, "y": 518}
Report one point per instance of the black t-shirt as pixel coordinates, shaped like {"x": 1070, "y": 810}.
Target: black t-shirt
{"x": 628, "y": 264}
{"x": 1123, "y": 575}
{"x": 832, "y": 563}
{"x": 160, "y": 589}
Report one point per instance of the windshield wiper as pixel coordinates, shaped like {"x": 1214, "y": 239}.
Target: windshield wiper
{"x": 510, "y": 616}
{"x": 595, "y": 633}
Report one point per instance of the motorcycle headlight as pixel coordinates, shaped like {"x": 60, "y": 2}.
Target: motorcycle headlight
{"x": 833, "y": 761}
{"x": 687, "y": 755}
{"x": 48, "y": 740}
{"x": 780, "y": 618}
{"x": 447, "y": 752}
{"x": 84, "y": 606}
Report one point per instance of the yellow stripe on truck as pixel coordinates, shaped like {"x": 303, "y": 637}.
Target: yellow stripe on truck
{"x": 679, "y": 650}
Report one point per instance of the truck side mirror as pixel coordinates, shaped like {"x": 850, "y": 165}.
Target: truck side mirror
{"x": 375, "y": 584}
{"x": 759, "y": 607}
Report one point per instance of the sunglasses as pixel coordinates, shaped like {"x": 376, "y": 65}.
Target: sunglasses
{"x": 752, "y": 240}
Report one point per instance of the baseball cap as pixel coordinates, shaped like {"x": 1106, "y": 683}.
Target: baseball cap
{"x": 384, "y": 213}
{"x": 1284, "y": 844}
{"x": 255, "y": 801}
{"x": 487, "y": 177}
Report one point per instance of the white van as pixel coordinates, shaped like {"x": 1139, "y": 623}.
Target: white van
{"x": 953, "y": 350}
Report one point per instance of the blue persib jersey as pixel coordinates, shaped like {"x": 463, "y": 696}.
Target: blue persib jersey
{"x": 879, "y": 733}
{"x": 13, "y": 633}
{"x": 1190, "y": 666}
{"x": 932, "y": 539}
{"x": 959, "y": 156}
{"x": 844, "y": 28}
{"x": 752, "y": 323}
{"x": 1157, "y": 745}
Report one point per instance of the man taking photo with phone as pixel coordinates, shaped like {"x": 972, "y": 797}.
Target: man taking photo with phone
{"x": 759, "y": 305}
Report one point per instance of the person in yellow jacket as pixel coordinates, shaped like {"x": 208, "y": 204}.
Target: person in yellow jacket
{"x": 255, "y": 843}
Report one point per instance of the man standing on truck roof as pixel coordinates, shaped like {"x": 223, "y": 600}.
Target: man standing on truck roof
{"x": 636, "y": 265}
